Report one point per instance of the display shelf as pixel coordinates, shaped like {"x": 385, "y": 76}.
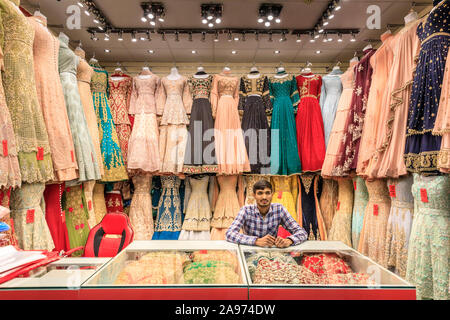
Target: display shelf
{"x": 383, "y": 283}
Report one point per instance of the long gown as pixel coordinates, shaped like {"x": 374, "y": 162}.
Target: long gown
{"x": 422, "y": 147}
{"x": 429, "y": 243}
{"x": 84, "y": 149}
{"x": 328, "y": 201}
{"x": 141, "y": 214}
{"x": 372, "y": 241}
{"x": 254, "y": 103}
{"x": 442, "y": 123}
{"x": 84, "y": 75}
{"x": 399, "y": 223}
{"x": 388, "y": 160}
{"x": 330, "y": 94}
{"x": 109, "y": 142}
{"x": 231, "y": 153}
{"x": 226, "y": 204}
{"x": 361, "y": 197}
{"x": 285, "y": 192}
{"x": 377, "y": 104}
{"x": 99, "y": 202}
{"x": 200, "y": 156}
{"x": 119, "y": 95}
{"x": 55, "y": 216}
{"x": 333, "y": 154}
{"x": 173, "y": 104}
{"x": 143, "y": 147}
{"x": 341, "y": 227}
{"x": 310, "y": 131}
{"x": 19, "y": 83}
{"x": 169, "y": 219}
{"x": 51, "y": 100}
{"x": 350, "y": 143}
{"x": 308, "y": 208}
{"x": 284, "y": 151}
{"x": 197, "y": 219}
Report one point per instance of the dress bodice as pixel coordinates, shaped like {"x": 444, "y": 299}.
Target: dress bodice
{"x": 175, "y": 87}
{"x": 332, "y": 84}
{"x": 282, "y": 184}
{"x": 142, "y": 184}
{"x": 28, "y": 197}
{"x": 119, "y": 91}
{"x": 437, "y": 190}
{"x": 200, "y": 87}
{"x": 227, "y": 183}
{"x": 15, "y": 26}
{"x": 361, "y": 194}
{"x": 143, "y": 94}
{"x": 378, "y": 191}
{"x": 348, "y": 78}
{"x": 309, "y": 87}
{"x": 283, "y": 87}
{"x": 199, "y": 186}
{"x": 226, "y": 85}
{"x": 171, "y": 182}
{"x": 437, "y": 22}
{"x": 67, "y": 60}
{"x": 99, "y": 81}
{"x": 254, "y": 85}
{"x": 45, "y": 47}
{"x": 402, "y": 187}
{"x": 84, "y": 71}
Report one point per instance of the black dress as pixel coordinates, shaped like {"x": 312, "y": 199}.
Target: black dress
{"x": 254, "y": 103}
{"x": 200, "y": 154}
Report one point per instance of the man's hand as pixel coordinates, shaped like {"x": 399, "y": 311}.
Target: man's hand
{"x": 283, "y": 243}
{"x": 266, "y": 241}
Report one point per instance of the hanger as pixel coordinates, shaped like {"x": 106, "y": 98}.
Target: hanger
{"x": 307, "y": 69}
{"x": 337, "y": 66}
{"x": 94, "y": 62}
{"x": 38, "y": 13}
{"x": 79, "y": 47}
{"x": 355, "y": 57}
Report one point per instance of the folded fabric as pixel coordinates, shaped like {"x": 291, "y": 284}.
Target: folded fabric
{"x": 3, "y": 227}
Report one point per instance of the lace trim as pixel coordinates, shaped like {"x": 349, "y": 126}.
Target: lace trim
{"x": 412, "y": 132}
{"x": 201, "y": 169}
{"x": 425, "y": 161}
{"x": 280, "y": 80}
{"x": 441, "y": 132}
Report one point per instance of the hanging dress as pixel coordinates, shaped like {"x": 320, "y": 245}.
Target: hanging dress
{"x": 231, "y": 153}
{"x": 284, "y": 151}
{"x": 31, "y": 137}
{"x": 422, "y": 147}
{"x": 310, "y": 131}
{"x": 143, "y": 148}
{"x": 255, "y": 104}
{"x": 169, "y": 219}
{"x": 341, "y": 227}
{"x": 109, "y": 142}
{"x": 173, "y": 104}
{"x": 359, "y": 208}
{"x": 285, "y": 192}
{"x": 51, "y": 99}
{"x": 99, "y": 201}
{"x": 84, "y": 149}
{"x": 429, "y": 243}
{"x": 328, "y": 201}
{"x": 200, "y": 156}
{"x": 197, "y": 221}
{"x": 141, "y": 215}
{"x": 88, "y": 188}
{"x": 330, "y": 93}
{"x": 55, "y": 216}
{"x": 338, "y": 132}
{"x": 119, "y": 96}
{"x": 399, "y": 223}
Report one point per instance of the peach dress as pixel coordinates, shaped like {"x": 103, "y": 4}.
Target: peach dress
{"x": 388, "y": 160}
{"x": 51, "y": 100}
{"x": 381, "y": 63}
{"x": 332, "y": 154}
{"x": 173, "y": 103}
{"x": 231, "y": 152}
{"x": 442, "y": 123}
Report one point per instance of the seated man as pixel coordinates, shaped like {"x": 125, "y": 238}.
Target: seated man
{"x": 261, "y": 222}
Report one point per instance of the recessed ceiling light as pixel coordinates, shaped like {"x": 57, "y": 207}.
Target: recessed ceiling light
{"x": 236, "y": 38}
{"x": 151, "y": 51}
{"x": 218, "y": 20}
{"x": 277, "y": 20}
{"x": 144, "y": 19}
{"x": 318, "y": 52}
{"x": 107, "y": 50}
{"x": 142, "y": 38}
{"x": 260, "y": 20}
{"x": 234, "y": 52}
{"x": 277, "y": 51}
{"x": 210, "y": 17}
{"x": 210, "y": 24}
{"x": 267, "y": 24}
{"x": 150, "y": 16}
{"x": 204, "y": 21}
{"x": 270, "y": 17}
{"x": 153, "y": 23}
{"x": 194, "y": 52}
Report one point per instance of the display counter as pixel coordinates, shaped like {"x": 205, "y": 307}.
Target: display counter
{"x": 174, "y": 270}
{"x": 61, "y": 279}
{"x": 319, "y": 270}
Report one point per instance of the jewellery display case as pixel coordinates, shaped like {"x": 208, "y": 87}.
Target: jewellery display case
{"x": 165, "y": 269}
{"x": 319, "y": 270}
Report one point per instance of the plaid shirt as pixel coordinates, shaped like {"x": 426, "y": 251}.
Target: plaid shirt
{"x": 256, "y": 227}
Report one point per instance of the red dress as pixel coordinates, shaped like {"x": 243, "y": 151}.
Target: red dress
{"x": 310, "y": 129}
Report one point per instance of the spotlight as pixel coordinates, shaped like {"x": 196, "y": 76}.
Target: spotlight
{"x": 317, "y": 36}
{"x": 340, "y": 37}
{"x": 325, "y": 23}
{"x": 210, "y": 24}
{"x": 177, "y": 37}
{"x": 194, "y": 52}
{"x": 210, "y": 17}
{"x": 87, "y": 12}
{"x": 236, "y": 38}
{"x": 256, "y": 36}
{"x": 144, "y": 19}
{"x": 277, "y": 51}
{"x": 270, "y": 17}
{"x": 151, "y": 16}
{"x": 337, "y": 8}
{"x": 267, "y": 24}
{"x": 190, "y": 36}
{"x": 100, "y": 28}
{"x": 283, "y": 37}
{"x": 230, "y": 36}
{"x": 216, "y": 37}
{"x": 312, "y": 40}
{"x": 142, "y": 38}
{"x": 93, "y": 37}
{"x": 151, "y": 51}
{"x": 106, "y": 37}
{"x": 278, "y": 20}
{"x": 325, "y": 39}
{"x": 298, "y": 38}
{"x": 163, "y": 36}
{"x": 318, "y": 52}
{"x": 260, "y": 20}
{"x": 153, "y": 23}
{"x": 211, "y": 13}
{"x": 96, "y": 21}
{"x": 321, "y": 30}
{"x": 161, "y": 19}
{"x": 204, "y": 21}
{"x": 107, "y": 50}
{"x": 148, "y": 36}
{"x": 80, "y": 4}
{"x": 120, "y": 38}
{"x": 133, "y": 36}
{"x": 353, "y": 39}
{"x": 331, "y": 17}
{"x": 218, "y": 20}
{"x": 234, "y": 52}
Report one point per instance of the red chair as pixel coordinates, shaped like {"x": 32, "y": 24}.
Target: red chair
{"x": 108, "y": 238}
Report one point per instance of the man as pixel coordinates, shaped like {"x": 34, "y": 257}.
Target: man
{"x": 261, "y": 222}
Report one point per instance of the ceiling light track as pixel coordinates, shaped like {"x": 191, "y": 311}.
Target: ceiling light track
{"x": 99, "y": 17}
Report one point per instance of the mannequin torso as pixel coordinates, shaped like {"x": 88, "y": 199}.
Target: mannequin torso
{"x": 174, "y": 75}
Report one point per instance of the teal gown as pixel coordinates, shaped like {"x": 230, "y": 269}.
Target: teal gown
{"x": 284, "y": 152}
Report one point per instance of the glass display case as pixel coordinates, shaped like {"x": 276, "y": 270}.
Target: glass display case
{"x": 319, "y": 270}
{"x": 61, "y": 279}
{"x": 165, "y": 269}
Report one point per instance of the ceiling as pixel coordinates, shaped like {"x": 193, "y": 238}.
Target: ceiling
{"x": 296, "y": 14}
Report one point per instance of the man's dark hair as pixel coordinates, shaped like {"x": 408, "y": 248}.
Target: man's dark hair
{"x": 261, "y": 185}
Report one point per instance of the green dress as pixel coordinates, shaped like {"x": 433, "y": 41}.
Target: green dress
{"x": 284, "y": 152}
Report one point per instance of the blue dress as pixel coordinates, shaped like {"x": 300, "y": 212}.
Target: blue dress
{"x": 422, "y": 147}
{"x": 169, "y": 220}
{"x": 109, "y": 142}
{"x": 283, "y": 146}
{"x": 330, "y": 94}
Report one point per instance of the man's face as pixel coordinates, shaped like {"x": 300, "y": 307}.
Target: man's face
{"x": 263, "y": 197}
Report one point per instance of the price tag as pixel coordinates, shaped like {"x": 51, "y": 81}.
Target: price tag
{"x": 338, "y": 206}
{"x": 203, "y": 251}
{"x": 423, "y": 195}
{"x": 30, "y": 216}
{"x": 40, "y": 153}
{"x": 90, "y": 205}
{"x": 354, "y": 185}
{"x": 375, "y": 210}
{"x": 72, "y": 155}
{"x": 392, "y": 192}
{"x": 63, "y": 217}
{"x": 5, "y": 147}
{"x": 11, "y": 222}
{"x": 280, "y": 193}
